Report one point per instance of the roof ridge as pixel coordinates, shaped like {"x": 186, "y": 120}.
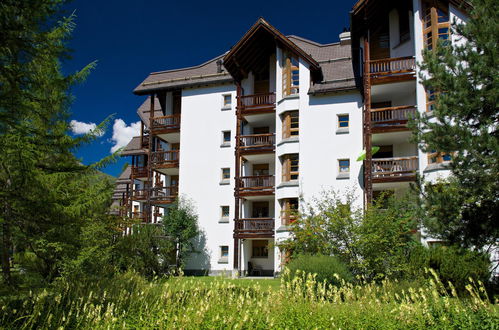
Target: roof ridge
{"x": 189, "y": 67}
{"x": 313, "y": 42}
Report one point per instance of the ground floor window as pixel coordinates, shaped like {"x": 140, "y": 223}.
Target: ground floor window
{"x": 260, "y": 249}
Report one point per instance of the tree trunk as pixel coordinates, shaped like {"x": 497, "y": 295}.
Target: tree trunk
{"x": 6, "y": 245}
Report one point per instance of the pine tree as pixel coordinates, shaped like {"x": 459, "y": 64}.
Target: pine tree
{"x": 46, "y": 195}
{"x": 465, "y": 79}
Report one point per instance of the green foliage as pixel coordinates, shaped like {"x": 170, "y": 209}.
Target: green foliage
{"x": 48, "y": 199}
{"x": 128, "y": 301}
{"x": 373, "y": 244}
{"x": 327, "y": 268}
{"x": 464, "y": 123}
{"x": 146, "y": 250}
{"x": 451, "y": 264}
{"x": 180, "y": 225}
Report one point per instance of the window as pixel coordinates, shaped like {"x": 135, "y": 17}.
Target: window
{"x": 404, "y": 31}
{"x": 260, "y": 249}
{"x": 224, "y": 253}
{"x": 260, "y": 210}
{"x": 227, "y": 101}
{"x": 289, "y": 210}
{"x": 290, "y": 169}
{"x": 430, "y": 100}
{"x": 435, "y": 157}
{"x": 225, "y": 174}
{"x": 436, "y": 23}
{"x": 344, "y": 165}
{"x": 290, "y": 124}
{"x": 225, "y": 211}
{"x": 225, "y": 138}
{"x": 290, "y": 76}
{"x": 343, "y": 121}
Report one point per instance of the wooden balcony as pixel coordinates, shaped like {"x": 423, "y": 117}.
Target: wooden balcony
{"x": 391, "y": 119}
{"x": 256, "y": 185}
{"x": 165, "y": 159}
{"x": 398, "y": 169}
{"x": 392, "y": 69}
{"x": 257, "y": 143}
{"x": 255, "y": 227}
{"x": 139, "y": 172}
{"x": 257, "y": 103}
{"x": 140, "y": 194}
{"x": 166, "y": 124}
{"x": 139, "y": 216}
{"x": 164, "y": 195}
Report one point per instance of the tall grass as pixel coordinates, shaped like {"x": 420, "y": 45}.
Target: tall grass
{"x": 128, "y": 301}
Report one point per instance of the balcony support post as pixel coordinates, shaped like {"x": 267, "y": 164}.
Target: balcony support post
{"x": 367, "y": 127}
{"x": 148, "y": 213}
{"x": 239, "y": 92}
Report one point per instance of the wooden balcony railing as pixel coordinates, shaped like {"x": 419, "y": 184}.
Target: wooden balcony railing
{"x": 139, "y": 215}
{"x": 171, "y": 122}
{"x": 164, "y": 193}
{"x": 393, "y": 168}
{"x": 392, "y": 115}
{"x": 139, "y": 171}
{"x": 257, "y": 102}
{"x": 257, "y": 183}
{"x": 392, "y": 66}
{"x": 257, "y": 141}
{"x": 165, "y": 158}
{"x": 255, "y": 225}
{"x": 140, "y": 194}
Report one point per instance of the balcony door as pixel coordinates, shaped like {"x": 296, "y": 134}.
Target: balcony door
{"x": 261, "y": 130}
{"x": 384, "y": 152}
{"x": 260, "y": 210}
{"x": 260, "y": 169}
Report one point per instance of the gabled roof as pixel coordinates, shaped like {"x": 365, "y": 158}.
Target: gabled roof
{"x": 134, "y": 147}
{"x": 258, "y": 42}
{"x": 125, "y": 175}
{"x": 206, "y": 73}
{"x": 335, "y": 61}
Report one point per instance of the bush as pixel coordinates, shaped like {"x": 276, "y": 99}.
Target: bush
{"x": 324, "y": 266}
{"x": 452, "y": 264}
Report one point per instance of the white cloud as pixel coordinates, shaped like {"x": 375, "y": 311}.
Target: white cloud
{"x": 122, "y": 134}
{"x": 79, "y": 127}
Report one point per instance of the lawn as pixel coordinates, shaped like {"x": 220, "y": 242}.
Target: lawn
{"x": 130, "y": 301}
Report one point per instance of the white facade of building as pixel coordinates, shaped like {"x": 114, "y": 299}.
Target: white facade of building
{"x": 209, "y": 125}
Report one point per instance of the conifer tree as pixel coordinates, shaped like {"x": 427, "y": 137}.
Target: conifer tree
{"x": 465, "y": 80}
{"x": 46, "y": 195}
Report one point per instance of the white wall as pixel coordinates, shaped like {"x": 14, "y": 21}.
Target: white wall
{"x": 201, "y": 160}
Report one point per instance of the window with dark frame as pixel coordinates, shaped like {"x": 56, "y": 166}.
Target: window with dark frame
{"x": 225, "y": 174}
{"x": 224, "y": 251}
{"x": 226, "y": 137}
{"x": 225, "y": 211}
{"x": 260, "y": 249}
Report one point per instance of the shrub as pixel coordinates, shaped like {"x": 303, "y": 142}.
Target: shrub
{"x": 452, "y": 264}
{"x": 324, "y": 266}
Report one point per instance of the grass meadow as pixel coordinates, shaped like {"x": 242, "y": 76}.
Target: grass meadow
{"x": 128, "y": 301}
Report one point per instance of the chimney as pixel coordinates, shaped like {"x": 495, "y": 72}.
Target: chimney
{"x": 219, "y": 66}
{"x": 345, "y": 37}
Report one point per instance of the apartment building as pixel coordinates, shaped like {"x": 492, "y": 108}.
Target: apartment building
{"x": 278, "y": 119}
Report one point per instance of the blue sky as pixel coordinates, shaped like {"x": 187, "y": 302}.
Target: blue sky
{"x": 129, "y": 39}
